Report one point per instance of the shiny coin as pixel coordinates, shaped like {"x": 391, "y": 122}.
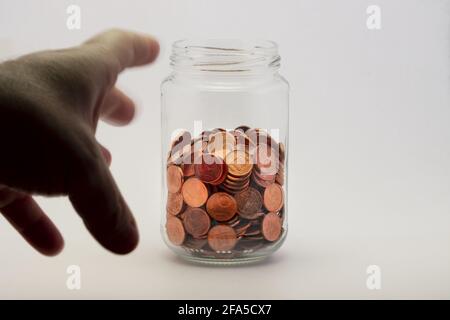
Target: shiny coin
{"x": 249, "y": 244}
{"x": 196, "y": 222}
{"x": 265, "y": 177}
{"x": 175, "y": 203}
{"x": 259, "y": 182}
{"x": 239, "y": 163}
{"x": 279, "y": 179}
{"x": 282, "y": 152}
{"x": 271, "y": 227}
{"x": 231, "y": 191}
{"x": 249, "y": 203}
{"x": 211, "y": 169}
{"x": 188, "y": 169}
{"x": 240, "y": 230}
{"x": 266, "y": 160}
{"x": 259, "y": 137}
{"x": 236, "y": 189}
{"x": 194, "y": 192}
{"x": 238, "y": 179}
{"x": 251, "y": 233}
{"x": 182, "y": 138}
{"x": 273, "y": 197}
{"x": 222, "y": 238}
{"x": 234, "y": 222}
{"x": 195, "y": 243}
{"x": 222, "y": 178}
{"x": 221, "y": 153}
{"x": 221, "y": 140}
{"x": 205, "y": 135}
{"x": 243, "y": 128}
{"x": 236, "y": 186}
{"x": 174, "y": 178}
{"x": 221, "y": 206}
{"x": 175, "y": 231}
{"x": 180, "y": 147}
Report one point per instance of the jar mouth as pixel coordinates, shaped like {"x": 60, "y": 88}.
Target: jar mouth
{"x": 225, "y": 55}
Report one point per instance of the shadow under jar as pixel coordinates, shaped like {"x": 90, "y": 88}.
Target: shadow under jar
{"x": 224, "y": 123}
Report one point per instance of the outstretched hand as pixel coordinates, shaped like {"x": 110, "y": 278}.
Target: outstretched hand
{"x": 50, "y": 104}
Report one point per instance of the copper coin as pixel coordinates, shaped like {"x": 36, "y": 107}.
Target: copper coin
{"x": 249, "y": 244}
{"x": 252, "y": 233}
{"x": 195, "y": 243}
{"x": 174, "y": 178}
{"x": 198, "y": 146}
{"x": 205, "y": 135}
{"x": 271, "y": 227}
{"x": 221, "y": 153}
{"x": 239, "y": 163}
{"x": 265, "y": 177}
{"x": 236, "y": 189}
{"x": 237, "y": 179}
{"x": 222, "y": 238}
{"x": 234, "y": 222}
{"x": 175, "y": 231}
{"x": 237, "y": 134}
{"x": 194, "y": 192}
{"x": 273, "y": 197}
{"x": 188, "y": 169}
{"x": 196, "y": 222}
{"x": 221, "y": 206}
{"x": 180, "y": 144}
{"x": 282, "y": 151}
{"x": 249, "y": 203}
{"x": 182, "y": 138}
{"x": 221, "y": 140}
{"x": 215, "y": 130}
{"x": 243, "y": 128}
{"x": 266, "y": 160}
{"x": 210, "y": 169}
{"x": 279, "y": 179}
{"x": 240, "y": 230}
{"x": 260, "y": 182}
{"x": 180, "y": 147}
{"x": 231, "y": 191}
{"x": 175, "y": 203}
{"x": 222, "y": 178}
{"x": 234, "y": 186}
{"x": 259, "y": 137}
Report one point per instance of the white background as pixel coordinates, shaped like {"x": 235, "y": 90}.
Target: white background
{"x": 369, "y": 173}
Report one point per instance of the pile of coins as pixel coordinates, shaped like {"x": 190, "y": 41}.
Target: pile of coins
{"x": 225, "y": 191}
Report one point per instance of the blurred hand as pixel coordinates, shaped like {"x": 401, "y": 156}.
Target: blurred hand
{"x": 50, "y": 103}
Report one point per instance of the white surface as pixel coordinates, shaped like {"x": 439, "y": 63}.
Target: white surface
{"x": 369, "y": 172}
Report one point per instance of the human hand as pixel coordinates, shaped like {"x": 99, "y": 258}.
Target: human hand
{"x": 50, "y": 103}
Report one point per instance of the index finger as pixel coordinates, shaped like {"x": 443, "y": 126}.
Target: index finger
{"x": 131, "y": 49}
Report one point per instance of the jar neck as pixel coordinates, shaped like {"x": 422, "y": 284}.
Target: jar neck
{"x": 225, "y": 59}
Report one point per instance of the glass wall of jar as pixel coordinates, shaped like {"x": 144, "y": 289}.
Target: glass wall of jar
{"x": 224, "y": 119}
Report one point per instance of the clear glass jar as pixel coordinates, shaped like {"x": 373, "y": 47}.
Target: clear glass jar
{"x": 224, "y": 130}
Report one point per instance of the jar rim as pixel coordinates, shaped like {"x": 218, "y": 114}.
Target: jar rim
{"x": 225, "y": 55}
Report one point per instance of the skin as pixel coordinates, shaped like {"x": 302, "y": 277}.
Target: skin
{"x": 50, "y": 104}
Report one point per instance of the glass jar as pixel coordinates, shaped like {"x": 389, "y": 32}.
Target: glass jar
{"x": 224, "y": 130}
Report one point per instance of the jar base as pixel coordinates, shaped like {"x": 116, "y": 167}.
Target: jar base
{"x": 223, "y": 262}
{"x": 236, "y": 258}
